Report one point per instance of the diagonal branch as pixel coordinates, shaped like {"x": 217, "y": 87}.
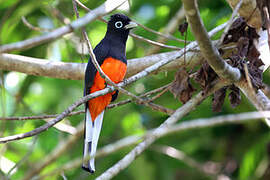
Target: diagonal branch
{"x": 235, "y": 11}
{"x": 30, "y": 26}
{"x": 210, "y": 122}
{"x": 203, "y": 168}
{"x": 23, "y": 118}
{"x": 152, "y": 136}
{"x": 209, "y": 52}
{"x": 106, "y": 150}
{"x": 187, "y": 125}
{"x": 258, "y": 99}
{"x": 170, "y": 28}
{"x": 60, "y": 149}
{"x": 105, "y": 8}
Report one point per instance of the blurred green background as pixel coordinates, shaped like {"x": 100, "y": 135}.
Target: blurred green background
{"x": 240, "y": 151}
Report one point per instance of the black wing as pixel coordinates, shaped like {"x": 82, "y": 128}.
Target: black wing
{"x": 101, "y": 52}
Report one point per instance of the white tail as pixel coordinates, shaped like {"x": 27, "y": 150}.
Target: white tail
{"x": 92, "y": 131}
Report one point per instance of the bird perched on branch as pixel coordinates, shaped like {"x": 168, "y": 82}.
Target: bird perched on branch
{"x": 111, "y": 56}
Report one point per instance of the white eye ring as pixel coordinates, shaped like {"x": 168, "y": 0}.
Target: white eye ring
{"x": 118, "y": 24}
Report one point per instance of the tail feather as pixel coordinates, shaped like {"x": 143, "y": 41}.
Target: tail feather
{"x": 92, "y": 131}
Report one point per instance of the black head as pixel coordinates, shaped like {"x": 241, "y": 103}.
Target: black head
{"x": 119, "y": 25}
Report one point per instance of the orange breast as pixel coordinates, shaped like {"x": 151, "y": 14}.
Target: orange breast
{"x": 115, "y": 70}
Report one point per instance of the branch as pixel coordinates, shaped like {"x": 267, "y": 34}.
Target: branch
{"x": 212, "y": 171}
{"x": 209, "y": 52}
{"x": 30, "y": 26}
{"x": 249, "y": 12}
{"x": 38, "y": 117}
{"x": 82, "y": 111}
{"x": 170, "y": 28}
{"x": 235, "y": 11}
{"x": 25, "y": 157}
{"x": 60, "y": 149}
{"x": 48, "y": 124}
{"x": 64, "y": 127}
{"x": 211, "y": 122}
{"x": 106, "y": 150}
{"x": 154, "y": 42}
{"x": 187, "y": 125}
{"x": 164, "y": 36}
{"x": 152, "y": 136}
{"x": 105, "y": 8}
{"x": 126, "y": 141}
{"x": 258, "y": 99}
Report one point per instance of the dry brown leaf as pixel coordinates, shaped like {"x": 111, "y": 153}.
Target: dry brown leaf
{"x": 181, "y": 87}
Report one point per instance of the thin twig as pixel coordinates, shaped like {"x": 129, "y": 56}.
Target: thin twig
{"x": 180, "y": 155}
{"x": 167, "y": 36}
{"x": 198, "y": 123}
{"x": 159, "y": 94}
{"x": 154, "y": 42}
{"x": 177, "y": 154}
{"x": 30, "y": 26}
{"x": 59, "y": 150}
{"x": 26, "y": 156}
{"x": 208, "y": 50}
{"x": 248, "y": 79}
{"x": 169, "y": 29}
{"x": 230, "y": 22}
{"x": 153, "y": 135}
{"x": 56, "y": 13}
{"x": 187, "y": 125}
{"x": 106, "y": 150}
{"x": 105, "y": 8}
{"x": 113, "y": 147}
{"x": 38, "y": 117}
{"x": 214, "y": 121}
{"x": 259, "y": 100}
{"x": 64, "y": 127}
{"x": 82, "y": 111}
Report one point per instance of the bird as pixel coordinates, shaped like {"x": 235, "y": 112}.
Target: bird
{"x": 111, "y": 56}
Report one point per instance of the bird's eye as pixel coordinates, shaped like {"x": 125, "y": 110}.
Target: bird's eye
{"x": 118, "y": 24}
